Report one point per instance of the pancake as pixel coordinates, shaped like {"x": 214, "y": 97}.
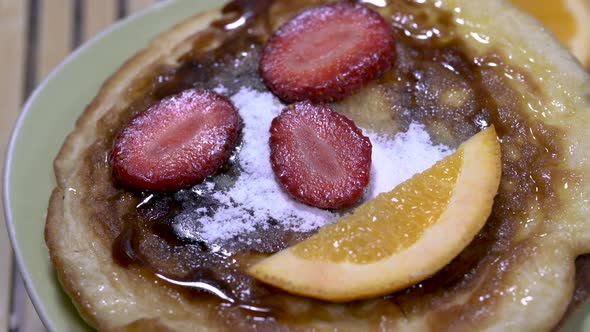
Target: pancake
{"x": 121, "y": 257}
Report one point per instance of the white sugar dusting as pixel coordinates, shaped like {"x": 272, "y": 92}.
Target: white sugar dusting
{"x": 257, "y": 197}
{"x": 220, "y": 89}
{"x": 394, "y": 161}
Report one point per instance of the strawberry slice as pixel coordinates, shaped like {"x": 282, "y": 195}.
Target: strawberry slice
{"x": 175, "y": 143}
{"x": 319, "y": 156}
{"x": 326, "y": 53}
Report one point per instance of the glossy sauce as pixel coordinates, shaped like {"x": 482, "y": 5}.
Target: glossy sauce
{"x": 433, "y": 82}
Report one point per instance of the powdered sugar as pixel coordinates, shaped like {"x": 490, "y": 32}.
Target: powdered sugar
{"x": 220, "y": 89}
{"x": 256, "y": 197}
{"x": 394, "y": 161}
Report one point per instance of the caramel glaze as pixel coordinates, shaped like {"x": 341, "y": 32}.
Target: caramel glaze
{"x": 147, "y": 239}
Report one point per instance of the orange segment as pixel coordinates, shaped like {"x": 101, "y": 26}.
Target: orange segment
{"x": 400, "y": 237}
{"x": 569, "y": 20}
{"x": 370, "y": 235}
{"x": 554, "y": 14}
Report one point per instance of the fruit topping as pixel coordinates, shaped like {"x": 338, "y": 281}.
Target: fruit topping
{"x": 319, "y": 156}
{"x": 176, "y": 142}
{"x": 400, "y": 237}
{"x": 326, "y": 53}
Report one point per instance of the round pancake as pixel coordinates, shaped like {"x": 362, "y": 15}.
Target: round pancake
{"x": 528, "y": 270}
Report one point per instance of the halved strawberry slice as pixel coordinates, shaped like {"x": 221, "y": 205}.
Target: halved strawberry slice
{"x": 175, "y": 143}
{"x": 326, "y": 53}
{"x": 319, "y": 156}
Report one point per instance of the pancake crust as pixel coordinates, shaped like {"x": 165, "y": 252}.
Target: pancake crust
{"x": 527, "y": 288}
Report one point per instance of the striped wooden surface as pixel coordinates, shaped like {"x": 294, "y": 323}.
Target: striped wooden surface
{"x": 35, "y": 36}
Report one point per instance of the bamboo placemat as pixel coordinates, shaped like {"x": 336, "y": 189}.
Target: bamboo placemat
{"x": 36, "y": 35}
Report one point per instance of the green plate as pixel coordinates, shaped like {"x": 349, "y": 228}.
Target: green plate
{"x": 47, "y": 118}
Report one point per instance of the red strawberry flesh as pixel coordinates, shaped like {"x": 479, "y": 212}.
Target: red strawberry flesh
{"x": 326, "y": 53}
{"x": 175, "y": 143}
{"x": 319, "y": 156}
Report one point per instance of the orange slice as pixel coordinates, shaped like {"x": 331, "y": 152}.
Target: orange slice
{"x": 569, "y": 20}
{"x": 400, "y": 237}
